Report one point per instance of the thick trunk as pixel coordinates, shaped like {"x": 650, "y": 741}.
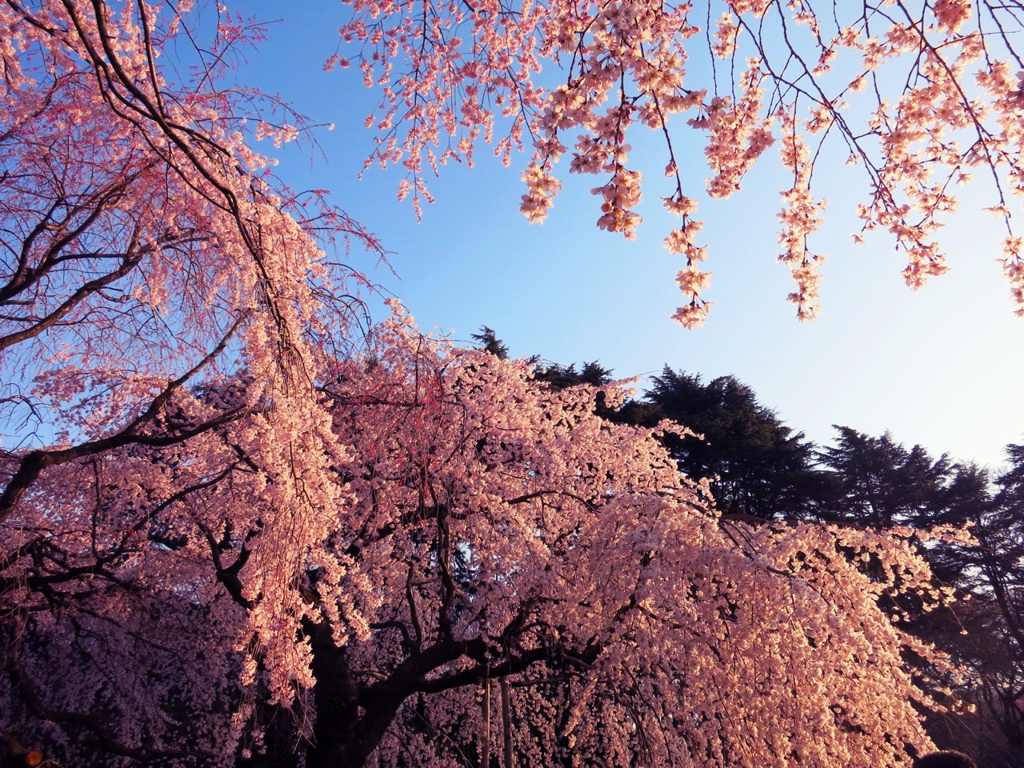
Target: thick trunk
{"x": 346, "y": 742}
{"x": 343, "y": 737}
{"x": 351, "y": 720}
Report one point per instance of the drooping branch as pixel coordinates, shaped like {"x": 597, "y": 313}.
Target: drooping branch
{"x": 31, "y": 466}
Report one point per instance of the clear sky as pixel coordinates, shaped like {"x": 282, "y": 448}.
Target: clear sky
{"x": 941, "y": 366}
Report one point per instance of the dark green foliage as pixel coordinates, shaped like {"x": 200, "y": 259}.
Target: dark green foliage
{"x": 489, "y": 342}
{"x": 966, "y": 499}
{"x": 1000, "y": 558}
{"x": 881, "y": 484}
{"x": 759, "y": 466}
{"x": 562, "y": 376}
{"x": 558, "y": 376}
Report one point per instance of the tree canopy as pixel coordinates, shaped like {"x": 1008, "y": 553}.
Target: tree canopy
{"x": 241, "y": 528}
{"x": 482, "y": 527}
{"x": 755, "y": 463}
{"x": 883, "y": 484}
{"x": 920, "y": 96}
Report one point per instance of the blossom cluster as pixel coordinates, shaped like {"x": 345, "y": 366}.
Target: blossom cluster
{"x": 932, "y": 89}
{"x": 800, "y": 218}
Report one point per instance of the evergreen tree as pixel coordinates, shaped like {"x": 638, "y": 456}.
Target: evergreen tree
{"x": 757, "y": 465}
{"x": 881, "y": 484}
{"x": 488, "y": 341}
{"x": 561, "y": 376}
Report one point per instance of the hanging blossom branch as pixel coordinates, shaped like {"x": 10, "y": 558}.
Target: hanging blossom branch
{"x": 932, "y": 82}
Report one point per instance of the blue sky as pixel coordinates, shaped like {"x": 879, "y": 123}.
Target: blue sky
{"x": 941, "y": 366}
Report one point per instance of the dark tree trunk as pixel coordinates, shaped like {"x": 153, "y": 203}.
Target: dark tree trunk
{"x": 343, "y": 737}
{"x": 351, "y": 719}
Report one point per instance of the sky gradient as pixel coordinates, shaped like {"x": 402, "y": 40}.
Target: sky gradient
{"x": 940, "y": 366}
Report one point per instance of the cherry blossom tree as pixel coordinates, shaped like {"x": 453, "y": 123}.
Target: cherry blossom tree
{"x": 234, "y": 532}
{"x": 920, "y": 95}
{"x": 482, "y": 527}
{"x": 145, "y": 250}
{"x": 145, "y": 247}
